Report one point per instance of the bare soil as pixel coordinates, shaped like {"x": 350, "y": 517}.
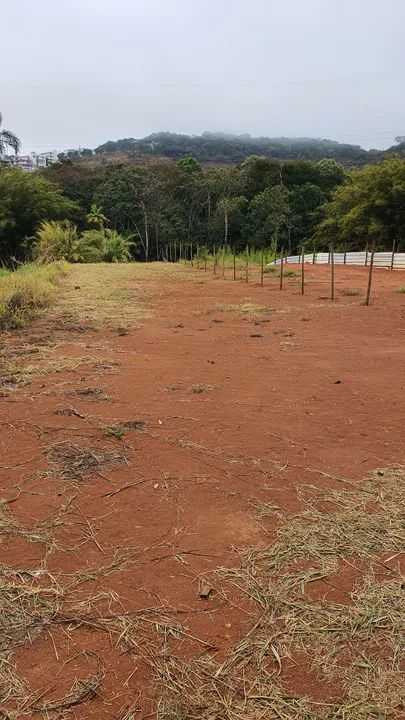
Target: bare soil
{"x": 195, "y": 409}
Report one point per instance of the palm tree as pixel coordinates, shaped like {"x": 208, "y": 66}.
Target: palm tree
{"x": 96, "y": 216}
{"x": 8, "y": 139}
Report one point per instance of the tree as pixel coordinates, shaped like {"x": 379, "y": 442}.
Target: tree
{"x": 8, "y": 140}
{"x": 25, "y": 200}
{"x": 126, "y": 196}
{"x": 189, "y": 165}
{"x": 272, "y": 217}
{"x": 369, "y": 206}
{"x": 332, "y": 173}
{"x": 305, "y": 201}
{"x": 260, "y": 173}
{"x": 78, "y": 181}
{"x": 96, "y": 216}
{"x": 228, "y": 206}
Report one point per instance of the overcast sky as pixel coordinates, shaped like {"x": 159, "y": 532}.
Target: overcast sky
{"x": 80, "y": 72}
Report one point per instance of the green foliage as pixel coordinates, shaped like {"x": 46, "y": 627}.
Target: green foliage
{"x": 96, "y": 216}
{"x": 25, "y": 201}
{"x": 223, "y": 148}
{"x": 89, "y": 247}
{"x": 78, "y": 181}
{"x": 57, "y": 240}
{"x": 117, "y": 248}
{"x": 332, "y": 173}
{"x": 272, "y": 216}
{"x": 26, "y": 290}
{"x": 189, "y": 165}
{"x": 369, "y": 206}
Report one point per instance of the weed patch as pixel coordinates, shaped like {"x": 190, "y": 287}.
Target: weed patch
{"x": 350, "y": 292}
{"x": 27, "y": 290}
{"x": 245, "y": 309}
{"x": 76, "y": 463}
{"x": 198, "y": 389}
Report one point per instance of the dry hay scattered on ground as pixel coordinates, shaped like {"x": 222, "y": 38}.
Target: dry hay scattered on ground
{"x": 355, "y": 645}
{"x": 322, "y": 602}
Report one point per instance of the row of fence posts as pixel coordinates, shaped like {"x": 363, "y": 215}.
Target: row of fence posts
{"x": 185, "y": 252}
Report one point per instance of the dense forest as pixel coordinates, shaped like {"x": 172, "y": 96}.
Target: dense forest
{"x": 222, "y": 148}
{"x": 87, "y": 212}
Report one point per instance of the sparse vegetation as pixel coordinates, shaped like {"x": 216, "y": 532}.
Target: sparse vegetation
{"x": 340, "y": 641}
{"x": 27, "y": 290}
{"x": 351, "y": 292}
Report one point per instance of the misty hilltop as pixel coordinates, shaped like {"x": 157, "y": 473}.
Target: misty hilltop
{"x": 217, "y": 147}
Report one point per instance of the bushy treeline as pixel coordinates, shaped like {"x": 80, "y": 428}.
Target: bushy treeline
{"x": 117, "y": 211}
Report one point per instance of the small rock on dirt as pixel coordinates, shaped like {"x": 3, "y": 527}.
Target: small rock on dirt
{"x": 204, "y": 590}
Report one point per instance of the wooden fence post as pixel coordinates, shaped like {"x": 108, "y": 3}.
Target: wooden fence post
{"x": 262, "y": 267}
{"x": 247, "y": 263}
{"x": 370, "y": 273}
{"x": 314, "y": 254}
{"x": 281, "y": 268}
{"x": 215, "y": 260}
{"x": 366, "y": 260}
{"x": 223, "y": 261}
{"x": 393, "y": 255}
{"x": 344, "y": 256}
{"x": 332, "y": 273}
{"x": 234, "y": 262}
{"x": 302, "y": 270}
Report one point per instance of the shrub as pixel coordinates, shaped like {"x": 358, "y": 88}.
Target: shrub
{"x": 60, "y": 240}
{"x": 89, "y": 247}
{"x": 55, "y": 240}
{"x": 26, "y": 290}
{"x": 117, "y": 248}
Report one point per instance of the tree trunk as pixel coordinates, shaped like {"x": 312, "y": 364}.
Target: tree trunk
{"x": 145, "y": 222}
{"x": 157, "y": 240}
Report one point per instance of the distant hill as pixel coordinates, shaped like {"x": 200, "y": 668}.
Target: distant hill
{"x": 222, "y": 148}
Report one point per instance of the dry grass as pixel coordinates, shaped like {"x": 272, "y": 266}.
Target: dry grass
{"x": 91, "y": 393}
{"x": 107, "y": 294}
{"x": 245, "y": 309}
{"x": 350, "y": 292}
{"x": 27, "y": 290}
{"x": 72, "y": 462}
{"x": 355, "y": 644}
{"x": 198, "y": 389}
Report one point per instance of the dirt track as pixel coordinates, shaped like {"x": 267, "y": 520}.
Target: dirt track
{"x": 240, "y": 395}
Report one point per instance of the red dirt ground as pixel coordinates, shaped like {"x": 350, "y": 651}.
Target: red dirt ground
{"x": 299, "y": 393}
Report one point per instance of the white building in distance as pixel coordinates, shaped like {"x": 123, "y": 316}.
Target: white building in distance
{"x": 33, "y": 161}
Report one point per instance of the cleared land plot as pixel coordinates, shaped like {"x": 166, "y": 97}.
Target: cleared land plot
{"x": 202, "y": 499}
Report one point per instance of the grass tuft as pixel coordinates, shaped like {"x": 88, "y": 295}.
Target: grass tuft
{"x": 350, "y": 292}
{"x": 76, "y": 463}
{"x": 27, "y": 290}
